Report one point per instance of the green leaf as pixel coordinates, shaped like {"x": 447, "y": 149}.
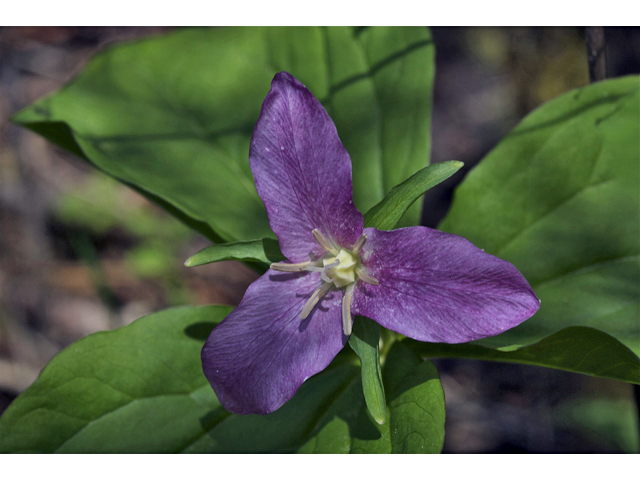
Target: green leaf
{"x": 365, "y": 341}
{"x": 416, "y": 402}
{"x": 559, "y": 198}
{"x": 265, "y": 250}
{"x": 387, "y": 213}
{"x": 172, "y": 116}
{"x": 575, "y": 349}
{"x": 135, "y": 389}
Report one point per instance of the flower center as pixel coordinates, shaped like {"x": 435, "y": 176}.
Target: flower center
{"x": 340, "y": 268}
{"x": 344, "y": 272}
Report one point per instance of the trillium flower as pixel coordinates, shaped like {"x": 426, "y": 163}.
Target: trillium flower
{"x": 428, "y": 285}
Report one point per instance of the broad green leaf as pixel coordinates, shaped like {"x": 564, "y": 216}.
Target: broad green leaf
{"x": 387, "y": 213}
{"x": 365, "y": 340}
{"x": 265, "y": 250}
{"x": 172, "y": 116}
{"x": 575, "y": 349}
{"x": 135, "y": 389}
{"x": 559, "y": 198}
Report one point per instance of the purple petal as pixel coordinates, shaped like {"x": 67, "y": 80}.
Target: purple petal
{"x": 438, "y": 287}
{"x": 258, "y": 357}
{"x": 302, "y": 171}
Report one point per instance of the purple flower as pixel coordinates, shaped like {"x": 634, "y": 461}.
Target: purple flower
{"x": 428, "y": 285}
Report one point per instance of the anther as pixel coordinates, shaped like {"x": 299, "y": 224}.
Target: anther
{"x": 323, "y": 242}
{"x": 366, "y": 278}
{"x": 346, "y": 310}
{"x": 290, "y": 267}
{"x": 359, "y": 243}
{"x": 317, "y": 295}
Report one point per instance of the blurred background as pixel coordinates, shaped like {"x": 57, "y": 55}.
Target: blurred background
{"x": 80, "y": 253}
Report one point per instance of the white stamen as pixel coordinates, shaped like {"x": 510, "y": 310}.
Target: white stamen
{"x": 323, "y": 242}
{"x": 346, "y": 310}
{"x": 366, "y": 278}
{"x": 359, "y": 244}
{"x": 317, "y": 295}
{"x": 290, "y": 267}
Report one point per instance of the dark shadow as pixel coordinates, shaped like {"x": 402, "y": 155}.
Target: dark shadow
{"x": 286, "y": 276}
{"x": 357, "y": 31}
{"x": 364, "y": 428}
{"x": 366, "y": 292}
{"x": 200, "y": 330}
{"x": 272, "y": 250}
{"x": 213, "y": 418}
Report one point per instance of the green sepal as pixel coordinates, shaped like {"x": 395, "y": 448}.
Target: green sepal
{"x": 386, "y": 214}
{"x": 365, "y": 340}
{"x": 264, "y": 250}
